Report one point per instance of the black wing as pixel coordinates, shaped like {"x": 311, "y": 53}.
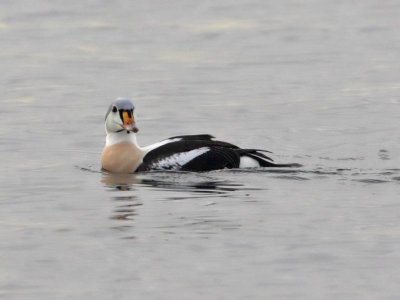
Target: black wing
{"x": 199, "y": 153}
{"x": 191, "y": 153}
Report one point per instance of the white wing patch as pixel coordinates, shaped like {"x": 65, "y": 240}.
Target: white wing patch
{"x": 177, "y": 160}
{"x": 148, "y": 148}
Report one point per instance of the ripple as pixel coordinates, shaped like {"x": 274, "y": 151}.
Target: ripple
{"x": 371, "y": 180}
{"x": 215, "y": 182}
{"x": 89, "y": 169}
{"x": 297, "y": 178}
{"x": 384, "y": 154}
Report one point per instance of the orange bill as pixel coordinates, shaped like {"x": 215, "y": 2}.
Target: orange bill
{"x": 127, "y": 119}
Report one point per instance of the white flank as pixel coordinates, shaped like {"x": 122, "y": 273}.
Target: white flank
{"x": 248, "y": 162}
{"x": 179, "y": 159}
{"x": 159, "y": 144}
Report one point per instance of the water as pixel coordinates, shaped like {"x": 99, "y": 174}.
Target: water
{"x": 315, "y": 82}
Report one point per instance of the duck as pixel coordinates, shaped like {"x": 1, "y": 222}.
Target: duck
{"x": 192, "y": 153}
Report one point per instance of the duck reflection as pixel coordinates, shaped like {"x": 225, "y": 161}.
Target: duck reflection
{"x": 126, "y": 203}
{"x": 126, "y": 190}
{"x": 124, "y": 185}
{"x": 204, "y": 187}
{"x": 174, "y": 181}
{"x": 125, "y": 208}
{"x": 121, "y": 182}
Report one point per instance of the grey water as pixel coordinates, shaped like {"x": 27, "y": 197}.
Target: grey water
{"x": 315, "y": 82}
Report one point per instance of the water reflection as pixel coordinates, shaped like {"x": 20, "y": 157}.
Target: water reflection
{"x": 201, "y": 183}
{"x": 126, "y": 190}
{"x": 213, "y": 187}
{"x": 124, "y": 211}
{"x": 122, "y": 182}
{"x": 125, "y": 208}
{"x": 221, "y": 183}
{"x": 126, "y": 203}
{"x": 205, "y": 189}
{"x": 182, "y": 186}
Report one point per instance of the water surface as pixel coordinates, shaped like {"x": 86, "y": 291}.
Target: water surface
{"x": 315, "y": 82}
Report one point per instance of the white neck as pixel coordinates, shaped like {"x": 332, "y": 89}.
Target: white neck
{"x": 113, "y": 138}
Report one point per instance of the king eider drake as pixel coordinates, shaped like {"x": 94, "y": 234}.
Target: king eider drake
{"x": 122, "y": 154}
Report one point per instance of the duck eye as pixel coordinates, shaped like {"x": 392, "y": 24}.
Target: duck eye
{"x": 114, "y": 109}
